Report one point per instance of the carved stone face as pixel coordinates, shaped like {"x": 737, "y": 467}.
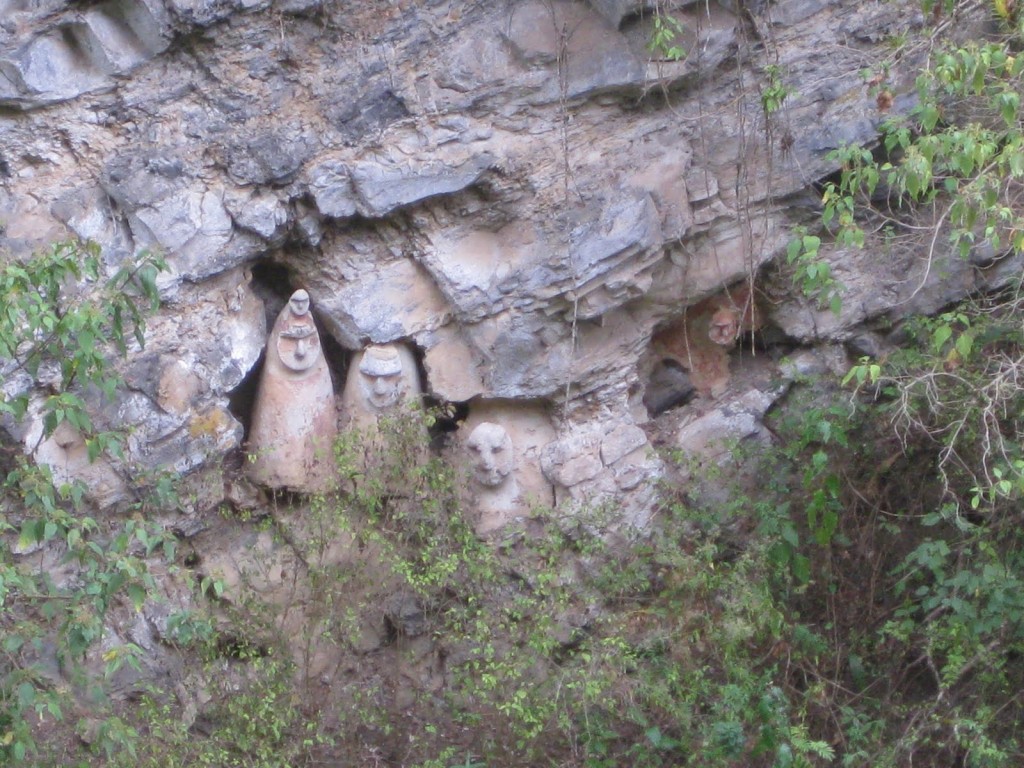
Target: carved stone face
{"x": 298, "y": 347}
{"x": 380, "y": 377}
{"x": 725, "y": 327}
{"x": 490, "y": 449}
{"x": 299, "y": 303}
{"x": 298, "y": 344}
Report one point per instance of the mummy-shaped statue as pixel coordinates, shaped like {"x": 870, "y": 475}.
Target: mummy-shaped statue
{"x": 294, "y": 422}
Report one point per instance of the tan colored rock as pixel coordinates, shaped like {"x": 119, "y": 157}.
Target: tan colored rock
{"x": 454, "y": 367}
{"x": 294, "y": 422}
{"x": 66, "y": 454}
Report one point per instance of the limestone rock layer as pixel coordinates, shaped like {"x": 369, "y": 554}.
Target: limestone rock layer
{"x": 521, "y": 192}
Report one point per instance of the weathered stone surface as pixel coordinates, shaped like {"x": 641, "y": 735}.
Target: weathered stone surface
{"x": 294, "y": 421}
{"x": 524, "y": 191}
{"x": 331, "y": 187}
{"x": 382, "y": 186}
{"x": 81, "y": 52}
{"x": 601, "y": 462}
{"x": 620, "y": 442}
{"x": 66, "y": 454}
{"x": 178, "y": 389}
{"x": 616, "y": 10}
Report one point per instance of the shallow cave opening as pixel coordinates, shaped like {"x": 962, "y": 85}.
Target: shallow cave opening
{"x": 447, "y": 415}
{"x": 242, "y": 399}
{"x": 668, "y": 387}
{"x": 669, "y": 384}
{"x": 274, "y": 285}
{"x": 769, "y": 339}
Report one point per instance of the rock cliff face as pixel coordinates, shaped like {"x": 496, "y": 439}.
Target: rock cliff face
{"x": 520, "y": 192}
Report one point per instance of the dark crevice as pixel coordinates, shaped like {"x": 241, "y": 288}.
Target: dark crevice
{"x": 242, "y": 399}
{"x": 669, "y": 386}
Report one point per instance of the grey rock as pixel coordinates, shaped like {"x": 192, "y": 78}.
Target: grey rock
{"x": 332, "y": 191}
{"x": 790, "y": 13}
{"x": 668, "y": 387}
{"x": 383, "y": 187}
{"x": 82, "y": 52}
{"x": 259, "y": 212}
{"x": 616, "y": 10}
{"x": 359, "y": 111}
{"x": 405, "y": 615}
{"x": 299, "y": 6}
{"x": 204, "y": 13}
{"x": 273, "y": 158}
{"x": 58, "y": 66}
{"x": 309, "y": 226}
{"x": 621, "y": 441}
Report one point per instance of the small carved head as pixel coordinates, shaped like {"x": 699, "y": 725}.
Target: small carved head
{"x": 298, "y": 344}
{"x": 299, "y": 303}
{"x": 381, "y": 379}
{"x": 725, "y": 326}
{"x": 490, "y": 449}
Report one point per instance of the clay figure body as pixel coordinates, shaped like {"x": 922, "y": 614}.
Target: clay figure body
{"x": 700, "y": 341}
{"x": 496, "y": 492}
{"x": 294, "y": 421}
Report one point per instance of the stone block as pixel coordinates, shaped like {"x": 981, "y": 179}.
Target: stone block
{"x": 331, "y": 188}
{"x": 620, "y": 442}
{"x": 384, "y": 187}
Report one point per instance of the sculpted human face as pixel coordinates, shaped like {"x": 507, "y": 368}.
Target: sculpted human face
{"x": 299, "y": 348}
{"x": 298, "y": 344}
{"x": 383, "y": 391}
{"x": 299, "y": 303}
{"x": 490, "y": 450}
{"x": 724, "y": 327}
{"x": 381, "y": 377}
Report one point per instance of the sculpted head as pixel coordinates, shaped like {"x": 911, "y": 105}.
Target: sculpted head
{"x": 298, "y": 344}
{"x": 725, "y": 326}
{"x": 490, "y": 449}
{"x": 380, "y": 376}
{"x": 299, "y": 303}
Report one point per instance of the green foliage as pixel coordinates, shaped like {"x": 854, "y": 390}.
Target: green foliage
{"x": 773, "y": 92}
{"x": 953, "y": 395}
{"x": 57, "y": 312}
{"x": 960, "y": 149}
{"x": 665, "y": 33}
{"x": 259, "y": 721}
{"x": 811, "y": 273}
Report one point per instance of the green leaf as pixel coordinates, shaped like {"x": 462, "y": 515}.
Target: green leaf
{"x": 940, "y": 336}
{"x": 789, "y": 534}
{"x": 26, "y": 695}
{"x": 811, "y": 244}
{"x": 801, "y": 569}
{"x": 137, "y": 593}
{"x": 964, "y": 344}
{"x": 29, "y": 535}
